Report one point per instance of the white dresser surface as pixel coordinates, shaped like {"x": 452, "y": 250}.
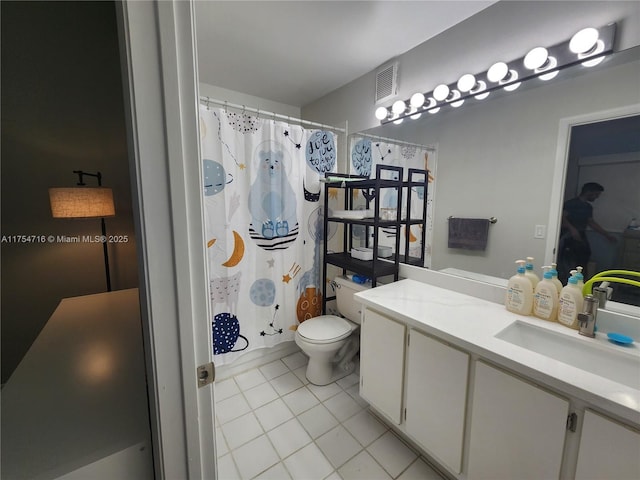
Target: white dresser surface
{"x": 79, "y": 394}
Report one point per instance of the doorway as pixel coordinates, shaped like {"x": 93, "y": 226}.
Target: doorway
{"x": 608, "y": 152}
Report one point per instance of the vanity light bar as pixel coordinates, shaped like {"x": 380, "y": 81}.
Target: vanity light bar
{"x": 588, "y": 47}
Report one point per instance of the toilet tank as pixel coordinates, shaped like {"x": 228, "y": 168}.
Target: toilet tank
{"x": 348, "y": 306}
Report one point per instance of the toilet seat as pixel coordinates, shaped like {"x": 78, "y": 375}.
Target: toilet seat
{"x": 325, "y": 329}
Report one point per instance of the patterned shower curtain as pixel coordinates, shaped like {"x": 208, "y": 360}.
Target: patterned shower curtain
{"x": 368, "y": 152}
{"x": 263, "y": 221}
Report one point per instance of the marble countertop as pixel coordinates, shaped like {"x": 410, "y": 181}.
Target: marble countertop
{"x": 471, "y": 324}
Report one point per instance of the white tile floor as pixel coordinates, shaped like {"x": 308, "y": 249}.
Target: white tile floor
{"x": 273, "y": 424}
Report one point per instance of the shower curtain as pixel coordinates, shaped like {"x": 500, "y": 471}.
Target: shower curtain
{"x": 263, "y": 221}
{"x": 368, "y": 152}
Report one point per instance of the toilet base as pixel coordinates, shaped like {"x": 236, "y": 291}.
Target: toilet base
{"x": 323, "y": 373}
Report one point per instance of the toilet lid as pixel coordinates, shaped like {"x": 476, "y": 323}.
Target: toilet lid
{"x": 325, "y": 329}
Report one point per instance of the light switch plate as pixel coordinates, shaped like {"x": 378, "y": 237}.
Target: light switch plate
{"x": 540, "y": 231}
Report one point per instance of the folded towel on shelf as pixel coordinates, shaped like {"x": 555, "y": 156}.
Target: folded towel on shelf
{"x": 468, "y": 233}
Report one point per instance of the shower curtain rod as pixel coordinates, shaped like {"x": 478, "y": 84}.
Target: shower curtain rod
{"x": 397, "y": 142}
{"x": 273, "y": 115}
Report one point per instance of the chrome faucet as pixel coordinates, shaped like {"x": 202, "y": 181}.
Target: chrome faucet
{"x": 587, "y": 319}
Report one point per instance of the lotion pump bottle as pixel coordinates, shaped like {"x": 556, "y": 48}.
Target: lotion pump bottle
{"x": 545, "y": 299}
{"x": 570, "y": 304}
{"x": 580, "y": 278}
{"x": 556, "y": 281}
{"x": 533, "y": 278}
{"x": 520, "y": 292}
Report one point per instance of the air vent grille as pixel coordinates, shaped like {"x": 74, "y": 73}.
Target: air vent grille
{"x": 386, "y": 79}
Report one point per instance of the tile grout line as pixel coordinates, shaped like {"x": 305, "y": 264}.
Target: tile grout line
{"x": 340, "y": 423}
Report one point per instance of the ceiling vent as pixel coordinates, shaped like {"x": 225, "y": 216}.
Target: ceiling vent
{"x": 387, "y": 82}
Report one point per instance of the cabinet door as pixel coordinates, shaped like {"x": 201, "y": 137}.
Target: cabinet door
{"x": 607, "y": 450}
{"x": 517, "y": 429}
{"x": 382, "y": 343}
{"x": 436, "y": 397}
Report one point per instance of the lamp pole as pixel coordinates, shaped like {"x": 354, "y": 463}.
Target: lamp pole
{"x": 105, "y": 250}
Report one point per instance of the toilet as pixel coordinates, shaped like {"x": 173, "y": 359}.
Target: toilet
{"x": 331, "y": 342}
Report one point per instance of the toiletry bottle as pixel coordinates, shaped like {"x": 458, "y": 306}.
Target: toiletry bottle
{"x": 545, "y": 299}
{"x": 570, "y": 304}
{"x": 530, "y": 273}
{"x": 556, "y": 281}
{"x": 580, "y": 277}
{"x": 520, "y": 292}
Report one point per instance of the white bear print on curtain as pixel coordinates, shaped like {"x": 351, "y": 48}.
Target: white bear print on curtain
{"x": 368, "y": 152}
{"x": 263, "y": 225}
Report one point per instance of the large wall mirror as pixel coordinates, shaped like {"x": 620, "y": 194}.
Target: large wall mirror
{"x": 518, "y": 157}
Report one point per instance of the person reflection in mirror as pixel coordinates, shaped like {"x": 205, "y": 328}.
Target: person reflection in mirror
{"x": 577, "y": 214}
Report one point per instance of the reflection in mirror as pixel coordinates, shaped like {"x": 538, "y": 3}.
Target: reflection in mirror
{"x": 506, "y": 158}
{"x": 366, "y": 152}
{"x": 603, "y": 155}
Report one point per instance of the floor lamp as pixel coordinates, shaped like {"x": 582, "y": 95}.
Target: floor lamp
{"x": 85, "y": 202}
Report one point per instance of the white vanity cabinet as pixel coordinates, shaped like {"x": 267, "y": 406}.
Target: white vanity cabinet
{"x": 436, "y": 392}
{"x": 517, "y": 429}
{"x": 382, "y": 350}
{"x": 607, "y": 450}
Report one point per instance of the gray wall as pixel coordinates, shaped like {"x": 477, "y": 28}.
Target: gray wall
{"x": 497, "y": 157}
{"x": 62, "y": 110}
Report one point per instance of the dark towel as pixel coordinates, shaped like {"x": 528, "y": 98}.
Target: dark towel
{"x": 468, "y": 233}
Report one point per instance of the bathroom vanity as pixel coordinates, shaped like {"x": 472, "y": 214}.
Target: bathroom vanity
{"x": 486, "y": 393}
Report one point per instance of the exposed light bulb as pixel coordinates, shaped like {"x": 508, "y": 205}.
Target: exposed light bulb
{"x": 497, "y": 72}
{"x": 382, "y": 113}
{"x": 551, "y": 64}
{"x": 466, "y": 82}
{"x": 417, "y": 100}
{"x": 584, "y": 40}
{"x": 513, "y": 75}
{"x": 480, "y": 87}
{"x": 431, "y": 102}
{"x": 592, "y": 63}
{"x": 513, "y": 86}
{"x": 441, "y": 92}
{"x": 599, "y": 48}
{"x": 536, "y": 58}
{"x": 399, "y": 107}
{"x": 453, "y": 99}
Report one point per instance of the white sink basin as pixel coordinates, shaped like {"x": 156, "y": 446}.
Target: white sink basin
{"x": 618, "y": 363}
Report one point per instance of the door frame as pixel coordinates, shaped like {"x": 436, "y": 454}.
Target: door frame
{"x": 560, "y": 168}
{"x": 157, "y": 44}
